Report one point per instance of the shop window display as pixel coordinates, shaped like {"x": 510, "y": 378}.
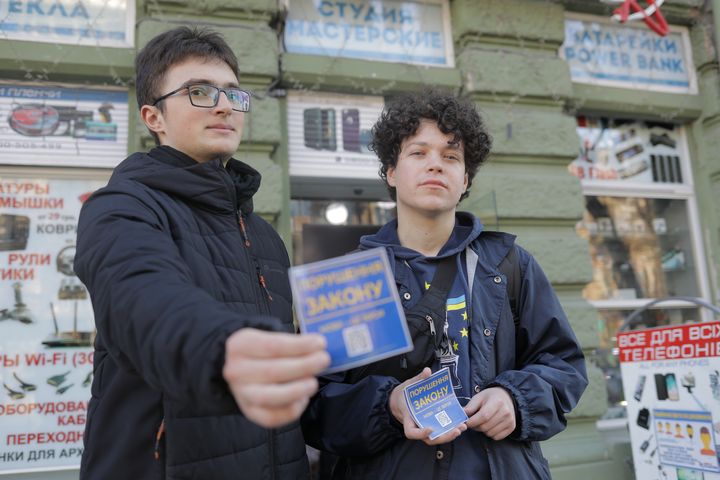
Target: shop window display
{"x": 639, "y": 223}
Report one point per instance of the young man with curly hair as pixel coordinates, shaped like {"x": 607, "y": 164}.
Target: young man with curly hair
{"x": 516, "y": 365}
{"x": 198, "y": 373}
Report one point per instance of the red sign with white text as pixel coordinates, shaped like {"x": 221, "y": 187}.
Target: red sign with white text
{"x": 698, "y": 340}
{"x": 671, "y": 381}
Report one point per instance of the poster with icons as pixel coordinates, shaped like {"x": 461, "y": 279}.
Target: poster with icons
{"x": 47, "y": 325}
{"x": 671, "y": 381}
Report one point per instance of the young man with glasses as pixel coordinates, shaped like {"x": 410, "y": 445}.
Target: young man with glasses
{"x": 198, "y": 374}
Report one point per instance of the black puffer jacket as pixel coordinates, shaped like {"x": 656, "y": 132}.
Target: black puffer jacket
{"x": 172, "y": 274}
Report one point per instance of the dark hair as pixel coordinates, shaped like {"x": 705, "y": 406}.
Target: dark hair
{"x": 453, "y": 114}
{"x": 173, "y": 47}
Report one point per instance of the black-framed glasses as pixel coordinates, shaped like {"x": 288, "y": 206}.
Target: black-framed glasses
{"x": 207, "y": 96}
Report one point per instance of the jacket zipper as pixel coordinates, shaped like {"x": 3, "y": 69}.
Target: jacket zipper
{"x": 432, "y": 325}
{"x": 158, "y": 438}
{"x": 252, "y": 261}
{"x": 271, "y": 451}
{"x": 261, "y": 305}
{"x": 243, "y": 231}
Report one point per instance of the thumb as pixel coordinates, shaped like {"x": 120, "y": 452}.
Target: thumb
{"x": 474, "y": 404}
{"x": 426, "y": 372}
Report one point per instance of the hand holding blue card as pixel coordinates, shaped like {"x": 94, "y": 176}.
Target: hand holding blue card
{"x": 433, "y": 404}
{"x": 352, "y": 300}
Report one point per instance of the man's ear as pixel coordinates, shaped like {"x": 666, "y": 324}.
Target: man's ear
{"x": 465, "y": 183}
{"x": 390, "y": 176}
{"x": 153, "y": 119}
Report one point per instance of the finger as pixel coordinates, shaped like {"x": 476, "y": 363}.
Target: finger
{"x": 489, "y": 424}
{"x": 250, "y": 342}
{"x": 275, "y": 370}
{"x": 425, "y": 373}
{"x": 447, "y": 436}
{"x": 412, "y": 431}
{"x": 274, "y": 417}
{"x": 499, "y": 432}
{"x": 276, "y": 395}
{"x": 473, "y": 405}
{"x": 477, "y": 420}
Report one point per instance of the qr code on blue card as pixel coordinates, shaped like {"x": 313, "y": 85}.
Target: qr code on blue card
{"x": 357, "y": 340}
{"x": 443, "y": 418}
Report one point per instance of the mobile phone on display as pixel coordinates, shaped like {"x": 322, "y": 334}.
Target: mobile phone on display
{"x": 661, "y": 386}
{"x": 351, "y": 129}
{"x": 643, "y": 418}
{"x": 639, "y": 387}
{"x": 672, "y": 389}
{"x": 688, "y": 474}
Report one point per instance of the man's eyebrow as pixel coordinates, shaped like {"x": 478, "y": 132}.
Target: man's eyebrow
{"x": 193, "y": 81}
{"x": 452, "y": 145}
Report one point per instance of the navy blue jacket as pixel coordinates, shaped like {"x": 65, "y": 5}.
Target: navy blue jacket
{"x": 541, "y": 365}
{"x": 171, "y": 276}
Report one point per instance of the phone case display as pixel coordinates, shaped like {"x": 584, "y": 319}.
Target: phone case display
{"x": 639, "y": 247}
{"x": 627, "y": 150}
{"x": 329, "y": 135}
{"x": 46, "y": 323}
{"x": 319, "y": 128}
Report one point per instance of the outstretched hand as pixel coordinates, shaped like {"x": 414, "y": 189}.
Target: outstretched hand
{"x": 400, "y": 411}
{"x": 271, "y": 375}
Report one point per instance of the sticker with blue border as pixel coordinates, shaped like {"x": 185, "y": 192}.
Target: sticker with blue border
{"x": 433, "y": 404}
{"x": 352, "y": 300}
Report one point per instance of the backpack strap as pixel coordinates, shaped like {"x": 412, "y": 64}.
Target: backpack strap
{"x": 510, "y": 267}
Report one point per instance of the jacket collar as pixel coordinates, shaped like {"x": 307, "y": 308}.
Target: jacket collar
{"x": 209, "y": 185}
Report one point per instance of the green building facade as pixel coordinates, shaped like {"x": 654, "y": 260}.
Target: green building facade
{"x": 562, "y": 164}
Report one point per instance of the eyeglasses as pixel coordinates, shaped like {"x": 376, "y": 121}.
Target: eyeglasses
{"x": 207, "y": 96}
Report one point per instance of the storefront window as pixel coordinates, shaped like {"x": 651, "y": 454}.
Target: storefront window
{"x": 606, "y": 356}
{"x": 640, "y": 222}
{"x": 328, "y": 228}
{"x": 640, "y": 248}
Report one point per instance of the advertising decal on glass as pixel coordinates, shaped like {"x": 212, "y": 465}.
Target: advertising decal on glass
{"x": 46, "y": 325}
{"x": 62, "y": 126}
{"x": 670, "y": 378}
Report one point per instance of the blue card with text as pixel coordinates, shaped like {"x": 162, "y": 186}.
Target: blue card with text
{"x": 352, "y": 300}
{"x": 433, "y": 404}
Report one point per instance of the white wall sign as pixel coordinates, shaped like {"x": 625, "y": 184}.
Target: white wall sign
{"x": 671, "y": 381}
{"x": 46, "y": 325}
{"x": 328, "y": 135}
{"x": 59, "y": 126}
{"x": 385, "y": 30}
{"x": 600, "y": 52}
{"x": 109, "y": 23}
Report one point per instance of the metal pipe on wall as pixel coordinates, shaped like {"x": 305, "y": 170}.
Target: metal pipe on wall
{"x": 716, "y": 18}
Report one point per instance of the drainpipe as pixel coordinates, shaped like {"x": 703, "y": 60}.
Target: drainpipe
{"x": 716, "y": 17}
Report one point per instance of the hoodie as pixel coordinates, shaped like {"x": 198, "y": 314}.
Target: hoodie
{"x": 422, "y": 269}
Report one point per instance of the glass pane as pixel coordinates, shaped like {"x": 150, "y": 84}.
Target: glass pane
{"x": 639, "y": 248}
{"x": 628, "y": 150}
{"x": 328, "y": 228}
{"x": 606, "y": 357}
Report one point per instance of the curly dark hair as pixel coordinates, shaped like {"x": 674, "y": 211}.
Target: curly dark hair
{"x": 454, "y": 115}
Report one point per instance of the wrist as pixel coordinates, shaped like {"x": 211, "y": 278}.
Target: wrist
{"x": 394, "y": 404}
